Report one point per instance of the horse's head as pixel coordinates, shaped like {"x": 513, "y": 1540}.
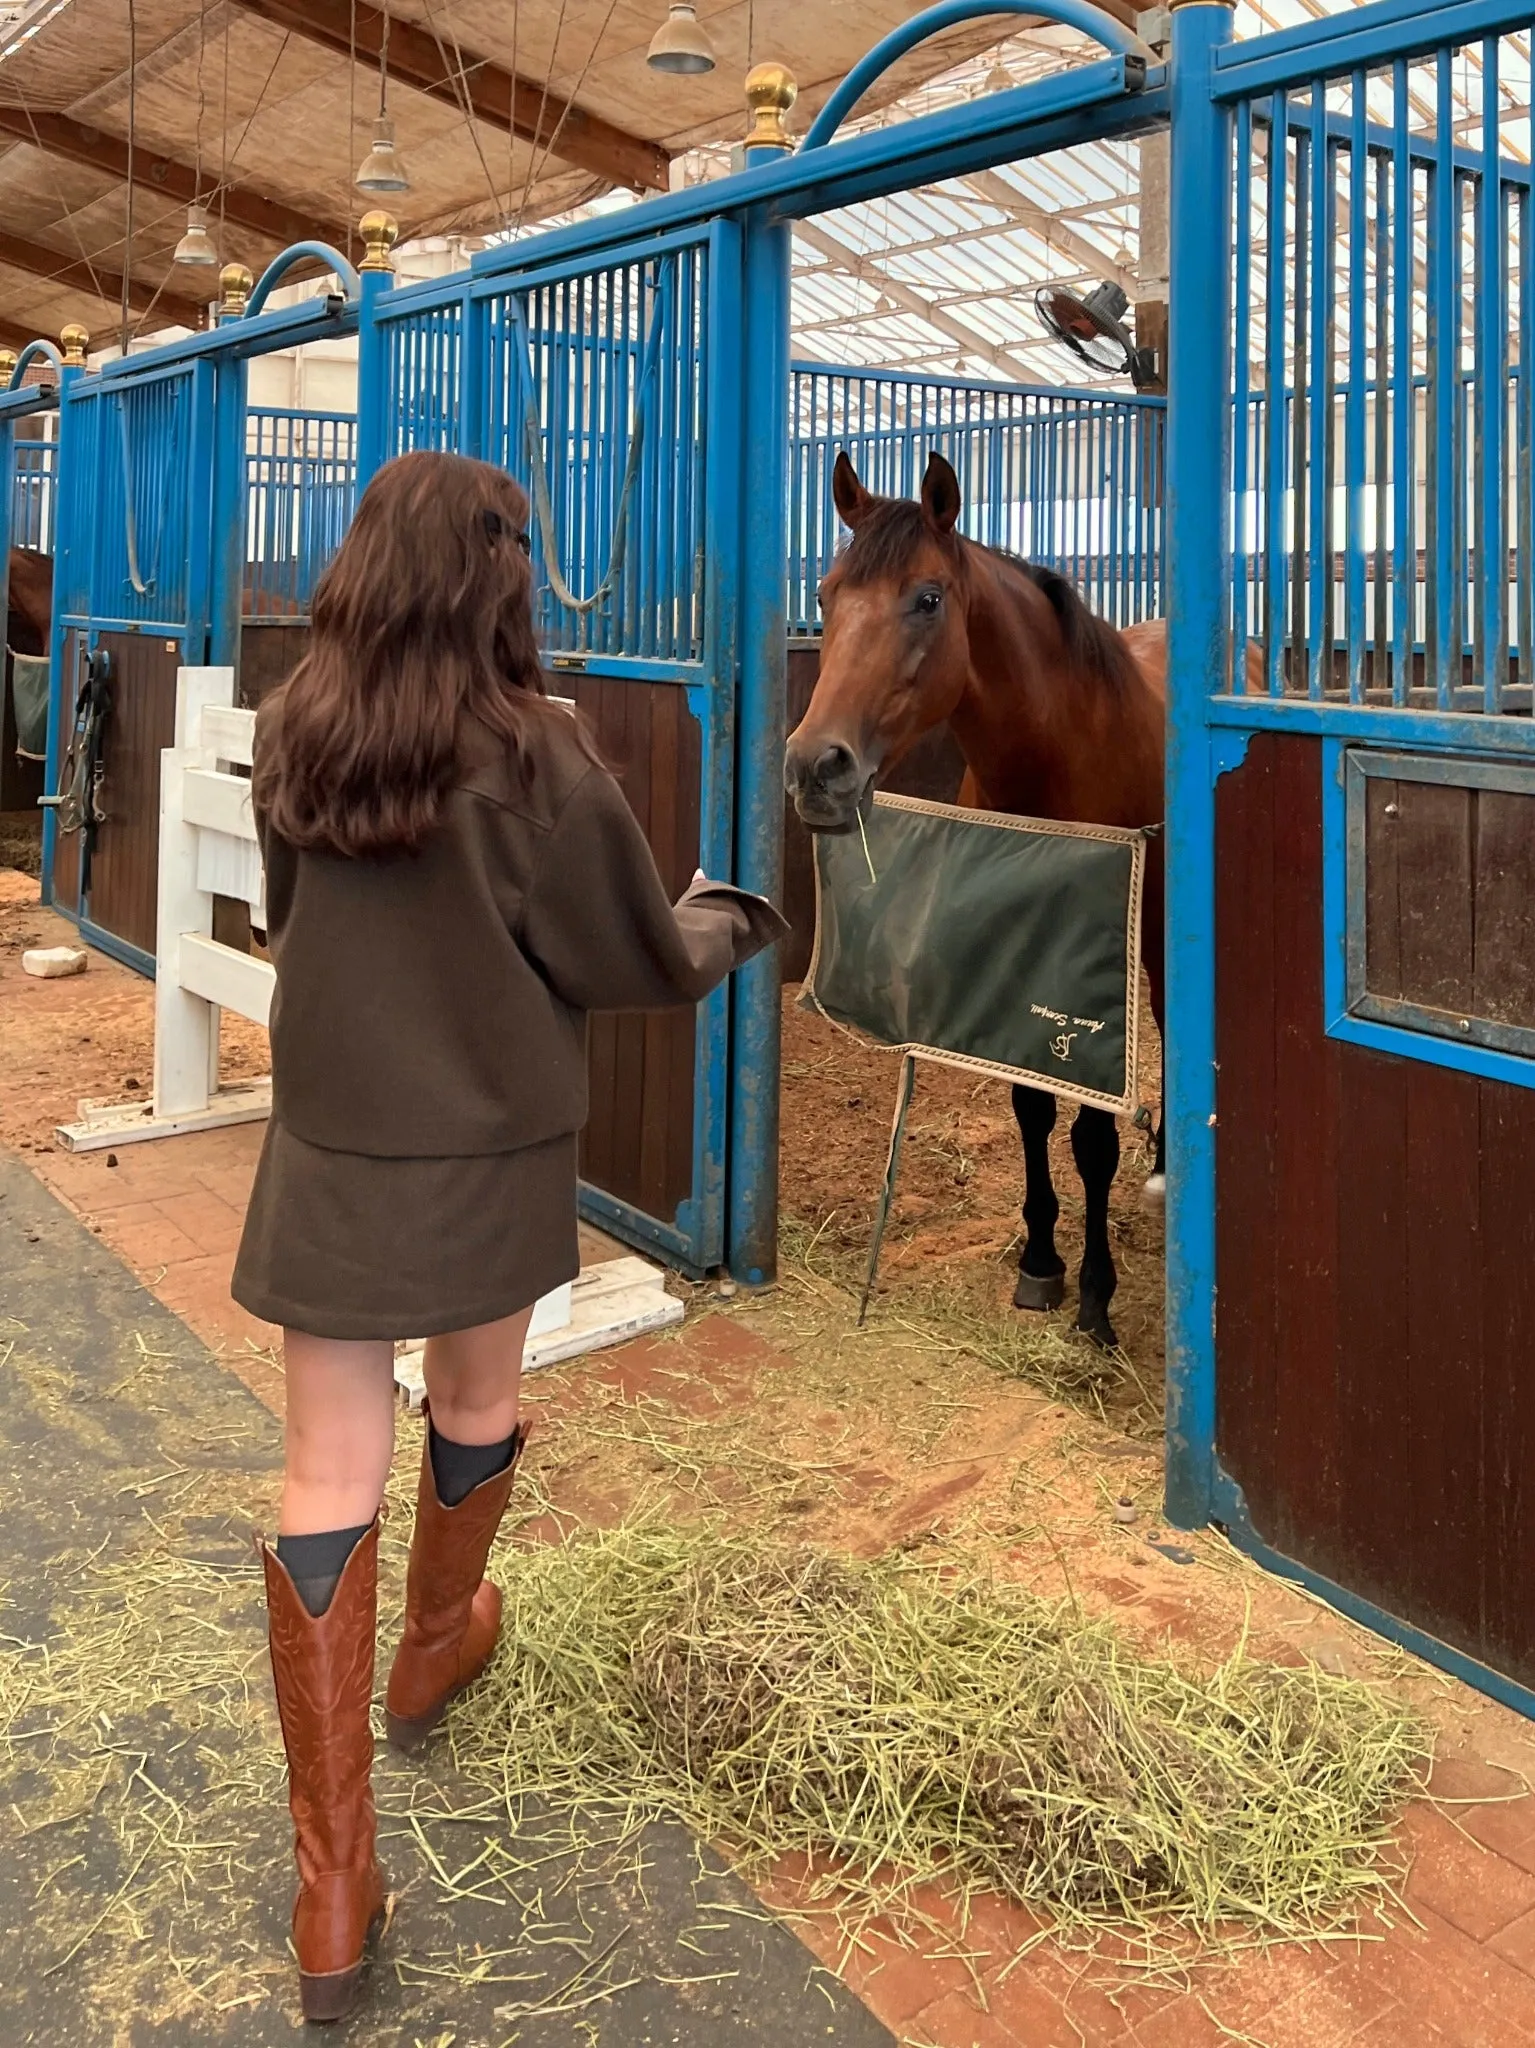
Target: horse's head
{"x": 894, "y": 648}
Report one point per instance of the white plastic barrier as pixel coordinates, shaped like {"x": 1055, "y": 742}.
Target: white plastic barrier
{"x": 208, "y": 848}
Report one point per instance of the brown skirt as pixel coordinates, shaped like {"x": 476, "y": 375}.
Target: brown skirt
{"x": 342, "y": 1245}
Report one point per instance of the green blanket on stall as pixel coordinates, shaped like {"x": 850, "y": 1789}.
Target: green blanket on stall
{"x": 1007, "y": 945}
{"x": 29, "y": 694}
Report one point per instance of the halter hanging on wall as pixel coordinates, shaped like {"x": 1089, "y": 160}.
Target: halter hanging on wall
{"x": 538, "y": 474}
{"x": 142, "y": 586}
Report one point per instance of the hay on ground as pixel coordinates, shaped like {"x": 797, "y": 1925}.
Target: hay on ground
{"x": 881, "y": 1720}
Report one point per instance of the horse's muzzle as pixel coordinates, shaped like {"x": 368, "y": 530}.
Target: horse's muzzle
{"x": 828, "y": 784}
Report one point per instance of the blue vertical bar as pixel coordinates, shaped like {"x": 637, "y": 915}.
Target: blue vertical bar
{"x": 8, "y": 484}
{"x": 1199, "y": 582}
{"x": 1241, "y": 623}
{"x": 216, "y": 539}
{"x": 1491, "y": 298}
{"x": 74, "y": 496}
{"x": 374, "y": 397}
{"x": 1404, "y": 397}
{"x": 1524, "y": 499}
{"x": 1442, "y": 650}
{"x": 1354, "y": 481}
{"x": 474, "y": 377}
{"x": 1276, "y": 422}
{"x": 1319, "y": 459}
{"x": 753, "y": 1204}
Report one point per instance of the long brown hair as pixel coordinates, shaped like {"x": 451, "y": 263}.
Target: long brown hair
{"x": 424, "y": 618}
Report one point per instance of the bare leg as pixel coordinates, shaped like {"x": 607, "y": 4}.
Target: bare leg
{"x": 1041, "y": 1270}
{"x": 1095, "y": 1147}
{"x": 339, "y": 1432}
{"x": 474, "y": 1378}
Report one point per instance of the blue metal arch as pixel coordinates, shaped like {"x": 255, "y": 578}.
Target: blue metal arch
{"x": 1092, "y": 21}
{"x": 301, "y": 252}
{"x": 34, "y": 352}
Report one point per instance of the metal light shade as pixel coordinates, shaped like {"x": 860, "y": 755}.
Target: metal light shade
{"x": 680, "y": 44}
{"x": 196, "y": 245}
{"x": 381, "y": 169}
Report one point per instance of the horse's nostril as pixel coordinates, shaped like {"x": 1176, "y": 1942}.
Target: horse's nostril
{"x": 834, "y": 765}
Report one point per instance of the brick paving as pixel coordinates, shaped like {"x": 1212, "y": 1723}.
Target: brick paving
{"x": 1457, "y": 1972}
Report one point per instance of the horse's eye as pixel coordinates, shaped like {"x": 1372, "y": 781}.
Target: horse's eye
{"x": 929, "y": 603}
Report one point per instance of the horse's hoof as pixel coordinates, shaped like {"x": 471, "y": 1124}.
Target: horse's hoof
{"x": 1093, "y": 1322}
{"x": 1039, "y": 1290}
{"x": 1154, "y": 1193}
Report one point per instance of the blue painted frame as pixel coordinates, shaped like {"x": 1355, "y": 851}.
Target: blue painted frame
{"x": 1079, "y": 14}
{"x": 1218, "y": 97}
{"x": 211, "y": 365}
{"x": 1351, "y": 1013}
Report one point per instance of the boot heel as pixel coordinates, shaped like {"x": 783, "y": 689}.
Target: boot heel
{"x": 329, "y": 1997}
{"x": 410, "y": 1736}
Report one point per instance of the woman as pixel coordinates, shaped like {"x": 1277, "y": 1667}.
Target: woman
{"x": 452, "y": 881}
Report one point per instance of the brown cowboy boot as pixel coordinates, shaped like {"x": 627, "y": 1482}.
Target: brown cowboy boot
{"x": 452, "y": 1612}
{"x": 323, "y": 1667}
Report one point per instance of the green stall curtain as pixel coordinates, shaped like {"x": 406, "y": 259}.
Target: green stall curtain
{"x": 29, "y": 693}
{"x": 1010, "y": 946}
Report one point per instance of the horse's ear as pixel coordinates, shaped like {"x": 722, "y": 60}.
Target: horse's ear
{"x": 941, "y": 499}
{"x": 847, "y": 493}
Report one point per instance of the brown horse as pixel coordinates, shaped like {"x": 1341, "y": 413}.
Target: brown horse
{"x": 1058, "y": 715}
{"x": 29, "y": 602}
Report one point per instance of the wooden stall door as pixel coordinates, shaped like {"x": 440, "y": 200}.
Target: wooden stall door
{"x": 1375, "y": 1333}
{"x": 125, "y": 866}
{"x": 270, "y": 650}
{"x": 638, "y": 1141}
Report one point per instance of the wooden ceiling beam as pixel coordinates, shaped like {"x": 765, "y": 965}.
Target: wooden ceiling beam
{"x": 16, "y": 338}
{"x": 497, "y": 97}
{"x": 242, "y": 207}
{"x": 100, "y": 283}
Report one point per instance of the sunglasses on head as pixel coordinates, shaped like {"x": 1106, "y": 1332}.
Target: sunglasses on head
{"x": 495, "y": 526}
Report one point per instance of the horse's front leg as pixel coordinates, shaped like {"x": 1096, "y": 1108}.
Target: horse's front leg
{"x": 1041, "y": 1270}
{"x": 1095, "y": 1147}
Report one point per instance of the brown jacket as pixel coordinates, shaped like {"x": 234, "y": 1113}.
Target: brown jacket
{"x": 434, "y": 1004}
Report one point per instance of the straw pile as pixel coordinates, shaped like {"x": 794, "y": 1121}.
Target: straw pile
{"x": 882, "y": 1721}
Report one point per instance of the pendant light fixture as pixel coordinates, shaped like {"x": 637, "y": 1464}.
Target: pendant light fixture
{"x": 195, "y": 249}
{"x": 681, "y": 45}
{"x": 196, "y": 246}
{"x": 382, "y": 170}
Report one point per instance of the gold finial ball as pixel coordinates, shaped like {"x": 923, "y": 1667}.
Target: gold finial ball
{"x": 74, "y": 340}
{"x": 770, "y": 92}
{"x": 380, "y": 232}
{"x": 7, "y": 367}
{"x": 235, "y": 283}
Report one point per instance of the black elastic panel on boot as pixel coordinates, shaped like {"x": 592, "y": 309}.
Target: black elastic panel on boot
{"x": 457, "y": 1469}
{"x": 315, "y": 1563}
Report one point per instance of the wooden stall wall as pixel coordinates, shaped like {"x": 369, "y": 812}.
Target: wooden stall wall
{"x": 934, "y": 769}
{"x": 1376, "y": 1290}
{"x": 141, "y": 723}
{"x": 638, "y": 1142}
{"x": 270, "y": 650}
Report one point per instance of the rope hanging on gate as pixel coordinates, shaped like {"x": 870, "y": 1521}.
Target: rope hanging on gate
{"x": 538, "y": 475}
{"x": 130, "y": 518}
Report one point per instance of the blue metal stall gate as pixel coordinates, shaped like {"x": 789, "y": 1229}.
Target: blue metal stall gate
{"x": 603, "y": 380}
{"x": 1071, "y": 478}
{"x": 1351, "y": 1006}
{"x": 150, "y": 569}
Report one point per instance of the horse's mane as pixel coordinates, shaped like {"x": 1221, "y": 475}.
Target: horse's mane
{"x": 888, "y": 536}
{"x": 1091, "y": 643}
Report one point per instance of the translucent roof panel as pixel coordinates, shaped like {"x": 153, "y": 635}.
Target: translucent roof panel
{"x": 942, "y": 279}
